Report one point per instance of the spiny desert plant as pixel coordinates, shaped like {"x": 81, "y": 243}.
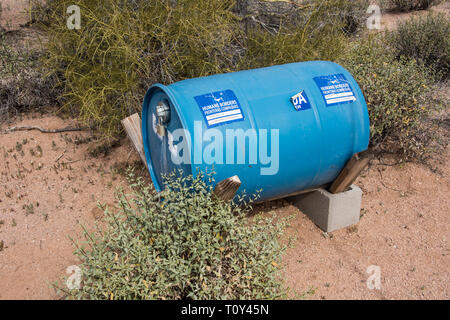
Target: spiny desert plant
{"x": 125, "y": 46}
{"x": 425, "y": 39}
{"x": 181, "y": 244}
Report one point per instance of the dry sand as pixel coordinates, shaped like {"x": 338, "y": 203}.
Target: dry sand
{"x": 43, "y": 200}
{"x": 403, "y": 230}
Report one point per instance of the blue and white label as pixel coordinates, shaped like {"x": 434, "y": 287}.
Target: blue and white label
{"x": 301, "y": 101}
{"x": 220, "y": 107}
{"x": 335, "y": 89}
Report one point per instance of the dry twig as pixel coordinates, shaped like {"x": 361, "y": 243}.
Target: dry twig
{"x": 29, "y": 128}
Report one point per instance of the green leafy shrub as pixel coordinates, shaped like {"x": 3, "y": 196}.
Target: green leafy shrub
{"x": 425, "y": 39}
{"x": 410, "y": 5}
{"x": 186, "y": 246}
{"x": 125, "y": 46}
{"x": 398, "y": 95}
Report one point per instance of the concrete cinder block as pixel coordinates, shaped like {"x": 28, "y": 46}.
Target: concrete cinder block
{"x": 328, "y": 211}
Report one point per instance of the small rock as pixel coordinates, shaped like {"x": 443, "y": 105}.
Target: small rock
{"x": 97, "y": 213}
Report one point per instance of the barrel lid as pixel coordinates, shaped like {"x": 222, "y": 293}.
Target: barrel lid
{"x": 161, "y": 146}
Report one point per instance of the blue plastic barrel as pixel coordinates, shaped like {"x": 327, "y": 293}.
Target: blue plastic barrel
{"x": 281, "y": 129}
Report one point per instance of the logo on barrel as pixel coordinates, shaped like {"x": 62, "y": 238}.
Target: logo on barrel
{"x": 301, "y": 101}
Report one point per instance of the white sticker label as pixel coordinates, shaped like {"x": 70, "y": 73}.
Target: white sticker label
{"x": 220, "y": 107}
{"x": 335, "y": 89}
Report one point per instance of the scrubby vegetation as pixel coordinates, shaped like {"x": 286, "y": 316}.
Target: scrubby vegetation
{"x": 188, "y": 245}
{"x": 426, "y": 40}
{"x": 311, "y": 39}
{"x": 22, "y": 86}
{"x": 184, "y": 243}
{"x": 397, "y": 72}
{"x": 125, "y": 46}
{"x": 398, "y": 95}
{"x": 409, "y": 5}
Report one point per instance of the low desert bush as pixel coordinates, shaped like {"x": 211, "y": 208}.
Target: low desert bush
{"x": 410, "y": 5}
{"x": 181, "y": 244}
{"x": 319, "y": 34}
{"x": 425, "y": 39}
{"x": 125, "y": 46}
{"x": 349, "y": 15}
{"x": 398, "y": 95}
{"x": 22, "y": 86}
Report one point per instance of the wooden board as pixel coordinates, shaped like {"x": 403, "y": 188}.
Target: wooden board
{"x": 226, "y": 189}
{"x": 351, "y": 171}
{"x": 133, "y": 128}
